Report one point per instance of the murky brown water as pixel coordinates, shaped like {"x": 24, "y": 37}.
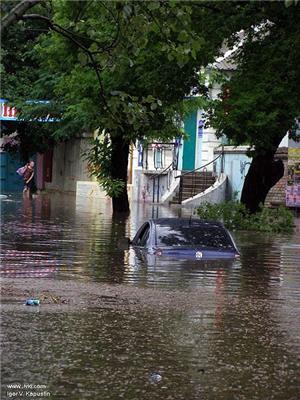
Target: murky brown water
{"x": 243, "y": 342}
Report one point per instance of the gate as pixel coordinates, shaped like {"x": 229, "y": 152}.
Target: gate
{"x": 10, "y": 180}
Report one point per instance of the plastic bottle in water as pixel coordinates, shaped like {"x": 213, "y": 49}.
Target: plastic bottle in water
{"x": 32, "y": 302}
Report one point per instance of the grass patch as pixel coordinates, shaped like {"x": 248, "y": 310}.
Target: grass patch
{"x": 235, "y": 216}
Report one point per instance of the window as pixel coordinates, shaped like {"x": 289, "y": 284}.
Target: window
{"x": 144, "y": 235}
{"x": 158, "y": 158}
{"x": 204, "y": 236}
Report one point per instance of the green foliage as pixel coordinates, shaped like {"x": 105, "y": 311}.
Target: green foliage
{"x": 263, "y": 101}
{"x": 235, "y": 216}
{"x": 30, "y": 139}
{"x": 289, "y": 3}
{"x": 99, "y": 165}
{"x": 120, "y": 66}
{"x": 277, "y": 220}
{"x": 19, "y": 73}
{"x": 127, "y": 66}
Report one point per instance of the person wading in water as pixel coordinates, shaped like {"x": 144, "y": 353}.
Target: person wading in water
{"x": 28, "y": 178}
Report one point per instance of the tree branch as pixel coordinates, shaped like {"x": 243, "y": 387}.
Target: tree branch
{"x": 73, "y": 34}
{"x": 69, "y": 35}
{"x": 17, "y": 12}
{"x": 38, "y": 16}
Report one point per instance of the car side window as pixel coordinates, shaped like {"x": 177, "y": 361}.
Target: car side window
{"x": 144, "y": 236}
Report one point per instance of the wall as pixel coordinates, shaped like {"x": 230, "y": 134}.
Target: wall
{"x": 90, "y": 189}
{"x": 144, "y": 185}
{"x": 69, "y": 165}
{"x": 209, "y": 144}
{"x": 236, "y": 165}
{"x": 142, "y": 182}
{"x": 166, "y": 153}
{"x": 276, "y": 195}
{"x": 39, "y": 168}
{"x": 209, "y": 140}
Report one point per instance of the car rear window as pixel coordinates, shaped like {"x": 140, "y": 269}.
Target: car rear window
{"x": 204, "y": 236}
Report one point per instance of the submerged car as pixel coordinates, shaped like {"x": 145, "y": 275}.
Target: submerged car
{"x": 185, "y": 238}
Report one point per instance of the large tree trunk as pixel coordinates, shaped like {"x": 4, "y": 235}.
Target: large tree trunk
{"x": 120, "y": 152}
{"x": 263, "y": 174}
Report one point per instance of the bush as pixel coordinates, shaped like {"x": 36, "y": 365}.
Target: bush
{"x": 277, "y": 220}
{"x": 235, "y": 216}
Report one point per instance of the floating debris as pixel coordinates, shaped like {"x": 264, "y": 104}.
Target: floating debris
{"x": 155, "y": 377}
{"x": 32, "y": 302}
{"x": 49, "y": 298}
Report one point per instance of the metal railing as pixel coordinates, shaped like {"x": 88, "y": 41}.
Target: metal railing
{"x": 156, "y": 178}
{"x": 193, "y": 173}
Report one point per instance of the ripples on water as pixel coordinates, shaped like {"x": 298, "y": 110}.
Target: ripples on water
{"x": 241, "y": 343}
{"x": 60, "y": 237}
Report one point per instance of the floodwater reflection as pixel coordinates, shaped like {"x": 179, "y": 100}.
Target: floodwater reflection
{"x": 79, "y": 239}
{"x": 240, "y": 341}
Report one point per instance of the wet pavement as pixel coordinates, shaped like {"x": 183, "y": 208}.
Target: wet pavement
{"x": 131, "y": 329}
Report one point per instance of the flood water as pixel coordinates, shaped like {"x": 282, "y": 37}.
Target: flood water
{"x": 241, "y": 342}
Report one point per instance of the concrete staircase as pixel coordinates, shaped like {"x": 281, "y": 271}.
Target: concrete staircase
{"x": 192, "y": 184}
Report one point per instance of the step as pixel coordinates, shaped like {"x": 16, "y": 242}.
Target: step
{"x": 200, "y": 186}
{"x": 186, "y": 195}
{"x": 208, "y": 173}
{"x": 196, "y": 187}
{"x": 197, "y": 176}
{"x": 191, "y": 188}
{"x": 197, "y": 181}
{"x": 193, "y": 185}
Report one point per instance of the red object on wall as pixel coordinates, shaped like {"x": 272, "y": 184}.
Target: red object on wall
{"x": 48, "y": 161}
{"x": 8, "y": 112}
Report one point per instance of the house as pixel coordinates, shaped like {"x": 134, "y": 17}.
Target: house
{"x": 193, "y": 170}
{"x": 9, "y": 162}
{"x": 286, "y": 192}
{"x": 58, "y": 169}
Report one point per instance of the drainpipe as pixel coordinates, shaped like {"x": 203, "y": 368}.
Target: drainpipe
{"x": 222, "y": 160}
{"x": 146, "y": 158}
{"x": 130, "y": 164}
{"x": 153, "y": 190}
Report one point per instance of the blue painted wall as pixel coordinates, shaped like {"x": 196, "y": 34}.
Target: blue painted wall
{"x": 236, "y": 166}
{"x": 10, "y": 180}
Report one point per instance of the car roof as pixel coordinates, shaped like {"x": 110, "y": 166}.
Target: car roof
{"x": 175, "y": 222}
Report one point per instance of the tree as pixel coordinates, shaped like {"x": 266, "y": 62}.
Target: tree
{"x": 125, "y": 67}
{"x": 121, "y": 67}
{"x": 263, "y": 102}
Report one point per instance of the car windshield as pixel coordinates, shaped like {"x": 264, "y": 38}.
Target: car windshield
{"x": 203, "y": 236}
